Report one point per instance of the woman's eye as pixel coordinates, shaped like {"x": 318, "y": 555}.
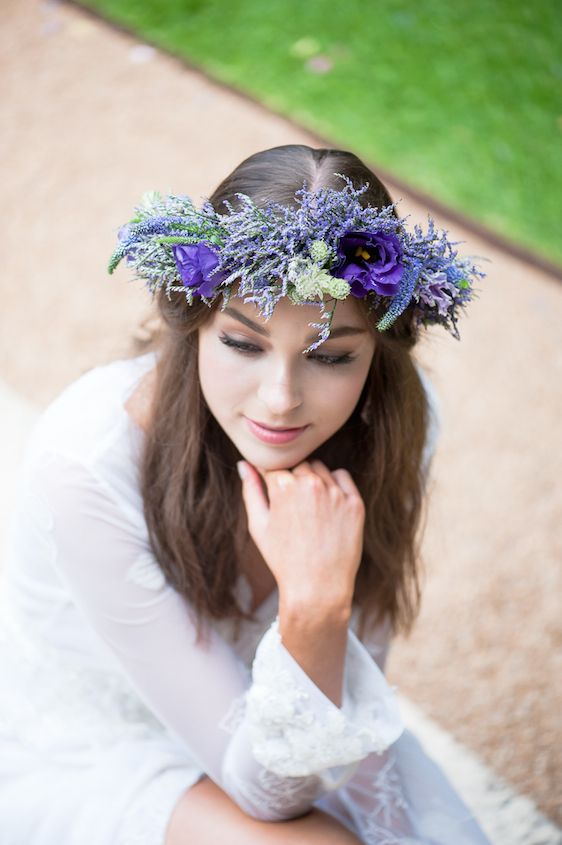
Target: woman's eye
{"x": 239, "y": 345}
{"x": 332, "y": 360}
{"x": 246, "y": 348}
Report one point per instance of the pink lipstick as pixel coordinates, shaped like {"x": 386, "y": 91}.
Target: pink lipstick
{"x": 274, "y": 436}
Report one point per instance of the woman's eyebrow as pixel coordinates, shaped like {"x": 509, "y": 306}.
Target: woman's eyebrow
{"x": 341, "y": 331}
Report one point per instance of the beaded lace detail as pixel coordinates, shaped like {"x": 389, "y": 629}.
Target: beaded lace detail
{"x": 377, "y": 805}
{"x": 271, "y": 797}
{"x": 382, "y": 812}
{"x": 288, "y": 737}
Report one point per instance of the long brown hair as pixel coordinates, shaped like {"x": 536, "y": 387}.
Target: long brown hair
{"x": 189, "y": 483}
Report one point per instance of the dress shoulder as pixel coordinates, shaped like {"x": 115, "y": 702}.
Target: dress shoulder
{"x": 83, "y": 421}
{"x": 88, "y": 427}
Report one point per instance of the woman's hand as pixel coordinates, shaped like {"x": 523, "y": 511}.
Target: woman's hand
{"x": 309, "y": 530}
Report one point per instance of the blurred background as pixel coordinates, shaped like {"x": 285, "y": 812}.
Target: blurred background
{"x": 458, "y": 108}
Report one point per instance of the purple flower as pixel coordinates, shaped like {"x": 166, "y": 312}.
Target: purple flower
{"x": 124, "y": 232}
{"x": 438, "y": 293}
{"x": 370, "y": 261}
{"x": 195, "y": 263}
{"x": 127, "y": 243}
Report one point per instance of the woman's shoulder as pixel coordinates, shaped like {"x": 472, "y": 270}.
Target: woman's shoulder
{"x": 89, "y": 417}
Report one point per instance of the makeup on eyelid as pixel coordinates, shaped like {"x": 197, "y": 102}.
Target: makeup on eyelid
{"x": 247, "y": 348}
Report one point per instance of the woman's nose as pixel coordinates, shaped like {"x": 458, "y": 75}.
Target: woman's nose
{"x": 280, "y": 393}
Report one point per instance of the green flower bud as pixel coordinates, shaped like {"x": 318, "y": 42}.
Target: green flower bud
{"x": 293, "y": 295}
{"x": 319, "y": 252}
{"x": 307, "y": 287}
{"x": 311, "y": 282}
{"x": 339, "y": 288}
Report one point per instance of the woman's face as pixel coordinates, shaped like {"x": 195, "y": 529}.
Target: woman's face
{"x": 276, "y": 404}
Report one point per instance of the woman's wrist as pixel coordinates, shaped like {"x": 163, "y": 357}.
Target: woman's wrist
{"x": 299, "y": 610}
{"x": 315, "y": 634}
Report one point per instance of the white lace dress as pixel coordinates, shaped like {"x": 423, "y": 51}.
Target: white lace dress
{"x": 109, "y": 706}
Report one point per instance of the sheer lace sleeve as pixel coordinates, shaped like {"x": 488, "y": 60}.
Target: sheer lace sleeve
{"x": 287, "y": 745}
{"x": 296, "y": 730}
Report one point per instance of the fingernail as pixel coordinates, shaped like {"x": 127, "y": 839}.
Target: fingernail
{"x": 242, "y": 469}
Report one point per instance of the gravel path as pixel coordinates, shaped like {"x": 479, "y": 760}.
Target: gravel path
{"x": 91, "y": 119}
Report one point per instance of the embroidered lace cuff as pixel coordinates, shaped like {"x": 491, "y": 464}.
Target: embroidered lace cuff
{"x": 295, "y": 730}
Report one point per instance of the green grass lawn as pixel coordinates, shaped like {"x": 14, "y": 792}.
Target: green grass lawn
{"x": 460, "y": 99}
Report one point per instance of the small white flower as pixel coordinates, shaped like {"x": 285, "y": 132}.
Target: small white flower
{"x": 311, "y": 282}
{"x": 319, "y": 252}
{"x": 339, "y": 288}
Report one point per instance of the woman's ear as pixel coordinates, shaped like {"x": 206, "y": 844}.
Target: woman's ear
{"x": 365, "y": 412}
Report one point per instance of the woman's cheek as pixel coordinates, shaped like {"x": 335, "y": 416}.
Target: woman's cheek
{"x": 214, "y": 372}
{"x": 231, "y": 380}
{"x": 342, "y": 397}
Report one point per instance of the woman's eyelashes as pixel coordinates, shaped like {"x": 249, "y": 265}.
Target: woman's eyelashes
{"x": 245, "y": 348}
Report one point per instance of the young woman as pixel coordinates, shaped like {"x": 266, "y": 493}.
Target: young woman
{"x": 215, "y": 540}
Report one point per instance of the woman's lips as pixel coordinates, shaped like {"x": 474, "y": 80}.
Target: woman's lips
{"x": 274, "y": 435}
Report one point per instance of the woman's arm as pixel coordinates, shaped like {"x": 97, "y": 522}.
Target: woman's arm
{"x": 308, "y": 525}
{"x": 290, "y": 743}
{"x": 317, "y": 638}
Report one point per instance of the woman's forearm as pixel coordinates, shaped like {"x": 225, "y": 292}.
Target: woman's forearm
{"x": 316, "y": 637}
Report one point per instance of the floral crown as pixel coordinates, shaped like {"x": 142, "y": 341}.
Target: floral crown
{"x": 327, "y": 248}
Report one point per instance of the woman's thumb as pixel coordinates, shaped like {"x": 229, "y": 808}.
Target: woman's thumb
{"x": 253, "y": 494}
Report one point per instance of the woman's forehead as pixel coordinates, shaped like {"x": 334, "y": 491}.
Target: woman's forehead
{"x": 347, "y": 313}
{"x": 300, "y": 322}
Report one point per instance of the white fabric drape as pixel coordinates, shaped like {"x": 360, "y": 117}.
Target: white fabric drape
{"x": 111, "y": 705}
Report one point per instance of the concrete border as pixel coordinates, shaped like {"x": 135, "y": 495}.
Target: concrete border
{"x": 506, "y": 817}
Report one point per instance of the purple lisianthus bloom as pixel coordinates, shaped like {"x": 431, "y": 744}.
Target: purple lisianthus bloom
{"x": 195, "y": 263}
{"x": 370, "y": 261}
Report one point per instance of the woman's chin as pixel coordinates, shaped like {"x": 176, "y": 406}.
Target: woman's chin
{"x": 271, "y": 462}
{"x": 273, "y": 465}
{"x": 268, "y": 457}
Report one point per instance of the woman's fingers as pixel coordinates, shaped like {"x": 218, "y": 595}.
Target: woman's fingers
{"x": 302, "y": 470}
{"x": 339, "y": 477}
{"x": 284, "y": 478}
{"x": 323, "y": 471}
{"x": 302, "y": 515}
{"x": 258, "y": 498}
{"x": 345, "y": 482}
{"x": 315, "y": 469}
